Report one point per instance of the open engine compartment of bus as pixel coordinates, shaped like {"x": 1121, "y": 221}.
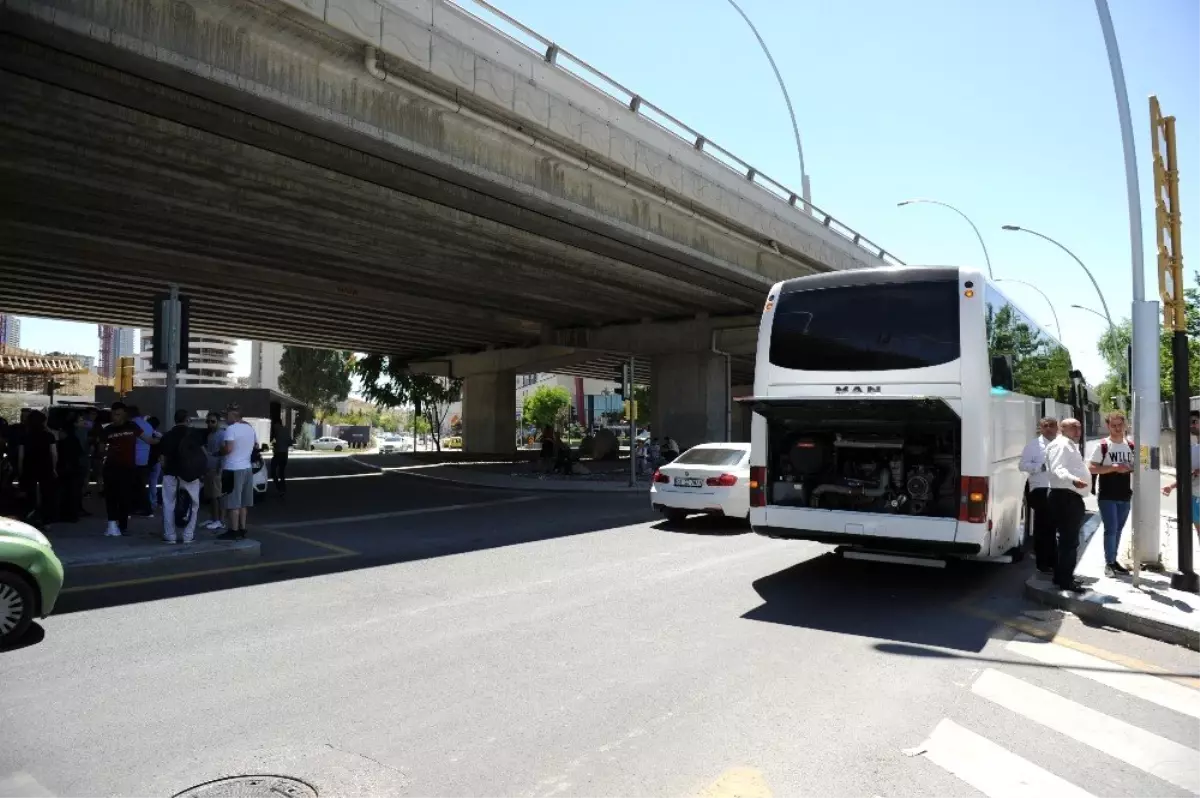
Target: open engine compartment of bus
{"x": 900, "y": 457}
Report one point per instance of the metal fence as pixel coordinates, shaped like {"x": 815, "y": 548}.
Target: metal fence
{"x": 556, "y": 55}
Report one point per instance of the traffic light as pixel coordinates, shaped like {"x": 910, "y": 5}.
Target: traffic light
{"x": 125, "y": 371}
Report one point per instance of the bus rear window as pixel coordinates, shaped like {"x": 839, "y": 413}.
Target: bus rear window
{"x": 867, "y": 328}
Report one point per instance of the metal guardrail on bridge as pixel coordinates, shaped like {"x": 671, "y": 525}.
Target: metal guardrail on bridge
{"x": 555, "y": 55}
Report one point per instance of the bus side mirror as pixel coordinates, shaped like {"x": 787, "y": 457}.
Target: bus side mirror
{"x": 1002, "y": 372}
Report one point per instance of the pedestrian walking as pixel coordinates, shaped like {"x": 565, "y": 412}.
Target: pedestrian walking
{"x": 214, "y": 436}
{"x": 141, "y": 499}
{"x": 37, "y": 469}
{"x": 1112, "y": 463}
{"x": 1182, "y": 466}
{"x": 281, "y": 445}
{"x": 1069, "y": 480}
{"x": 184, "y": 465}
{"x": 119, "y": 441}
{"x": 237, "y": 475}
{"x": 1033, "y": 463}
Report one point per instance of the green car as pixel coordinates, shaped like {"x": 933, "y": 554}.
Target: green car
{"x": 30, "y": 578}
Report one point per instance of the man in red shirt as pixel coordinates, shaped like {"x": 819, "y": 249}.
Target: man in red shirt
{"x": 119, "y": 440}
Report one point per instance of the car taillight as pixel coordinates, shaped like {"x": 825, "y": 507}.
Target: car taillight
{"x": 660, "y": 476}
{"x": 758, "y": 486}
{"x": 973, "y": 500}
{"x": 723, "y": 481}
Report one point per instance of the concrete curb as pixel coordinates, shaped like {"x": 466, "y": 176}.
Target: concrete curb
{"x": 201, "y": 555}
{"x": 507, "y": 483}
{"x": 1045, "y": 592}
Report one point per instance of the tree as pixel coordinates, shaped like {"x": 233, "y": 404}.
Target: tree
{"x": 320, "y": 378}
{"x": 642, "y": 397}
{"x": 387, "y": 382}
{"x": 545, "y": 407}
{"x": 1115, "y": 342}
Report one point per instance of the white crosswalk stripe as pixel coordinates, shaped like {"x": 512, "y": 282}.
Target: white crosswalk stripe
{"x": 989, "y": 767}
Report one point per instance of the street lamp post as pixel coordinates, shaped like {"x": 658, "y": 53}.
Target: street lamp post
{"x": 1018, "y": 229}
{"x": 805, "y": 188}
{"x": 1053, "y": 312}
{"x": 986, "y": 257}
{"x": 1145, "y": 315}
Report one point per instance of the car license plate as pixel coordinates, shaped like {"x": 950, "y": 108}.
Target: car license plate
{"x": 685, "y": 482}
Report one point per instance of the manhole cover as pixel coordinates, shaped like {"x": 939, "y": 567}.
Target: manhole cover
{"x": 250, "y": 787}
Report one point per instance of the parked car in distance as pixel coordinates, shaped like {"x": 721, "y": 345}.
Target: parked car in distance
{"x": 330, "y": 444}
{"x": 392, "y": 443}
{"x": 712, "y": 479}
{"x": 31, "y": 577}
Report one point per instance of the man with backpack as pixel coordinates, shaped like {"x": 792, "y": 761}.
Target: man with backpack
{"x": 184, "y": 464}
{"x": 1111, "y": 464}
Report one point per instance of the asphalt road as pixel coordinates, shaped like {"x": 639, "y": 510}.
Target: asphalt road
{"x": 405, "y": 637}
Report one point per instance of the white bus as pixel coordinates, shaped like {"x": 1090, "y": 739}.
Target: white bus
{"x": 890, "y": 410}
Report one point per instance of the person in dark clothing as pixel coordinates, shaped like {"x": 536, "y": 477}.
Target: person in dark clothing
{"x": 119, "y": 440}
{"x": 37, "y": 463}
{"x": 281, "y": 445}
{"x": 71, "y": 470}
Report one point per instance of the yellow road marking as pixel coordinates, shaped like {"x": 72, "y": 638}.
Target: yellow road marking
{"x": 342, "y": 550}
{"x": 149, "y": 580}
{"x": 738, "y": 783}
{"x": 1034, "y": 630}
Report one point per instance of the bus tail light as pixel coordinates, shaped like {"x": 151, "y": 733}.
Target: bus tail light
{"x": 973, "y": 503}
{"x": 758, "y": 486}
{"x": 723, "y": 481}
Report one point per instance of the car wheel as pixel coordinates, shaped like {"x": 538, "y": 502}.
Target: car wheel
{"x": 677, "y": 516}
{"x": 337, "y": 448}
{"x": 16, "y": 606}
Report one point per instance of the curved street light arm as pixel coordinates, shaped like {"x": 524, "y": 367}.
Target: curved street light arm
{"x": 1053, "y": 312}
{"x": 804, "y": 184}
{"x": 1074, "y": 257}
{"x": 987, "y": 258}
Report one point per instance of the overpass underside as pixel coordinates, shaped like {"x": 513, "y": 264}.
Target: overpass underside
{"x": 123, "y": 170}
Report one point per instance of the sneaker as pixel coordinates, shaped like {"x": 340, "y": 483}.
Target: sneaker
{"x": 111, "y": 531}
{"x": 1109, "y": 571}
{"x": 231, "y": 535}
{"x": 168, "y": 540}
{"x": 214, "y": 524}
{"x": 1118, "y": 568}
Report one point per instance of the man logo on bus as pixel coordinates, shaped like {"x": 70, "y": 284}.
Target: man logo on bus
{"x": 858, "y": 389}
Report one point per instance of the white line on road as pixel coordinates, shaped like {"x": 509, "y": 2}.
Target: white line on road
{"x": 1154, "y": 689}
{"x": 446, "y": 508}
{"x": 991, "y": 769}
{"x": 1166, "y": 759}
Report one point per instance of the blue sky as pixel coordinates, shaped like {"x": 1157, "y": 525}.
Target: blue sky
{"x": 1005, "y": 110}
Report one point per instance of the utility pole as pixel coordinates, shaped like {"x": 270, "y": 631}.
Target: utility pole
{"x": 1170, "y": 288}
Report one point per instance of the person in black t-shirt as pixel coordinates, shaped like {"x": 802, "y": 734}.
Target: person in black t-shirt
{"x": 37, "y": 464}
{"x": 119, "y": 440}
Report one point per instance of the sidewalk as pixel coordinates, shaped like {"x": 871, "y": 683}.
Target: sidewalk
{"x": 602, "y": 477}
{"x": 1152, "y": 610}
{"x": 87, "y": 554}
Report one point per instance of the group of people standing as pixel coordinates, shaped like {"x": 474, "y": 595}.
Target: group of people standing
{"x": 1061, "y": 474}
{"x": 52, "y": 468}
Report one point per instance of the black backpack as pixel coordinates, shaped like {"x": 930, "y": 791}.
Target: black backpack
{"x": 193, "y": 461}
{"x": 183, "y": 508}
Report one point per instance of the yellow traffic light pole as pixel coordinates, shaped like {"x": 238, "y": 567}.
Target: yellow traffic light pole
{"x": 1170, "y": 289}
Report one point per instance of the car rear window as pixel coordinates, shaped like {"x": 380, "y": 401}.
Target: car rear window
{"x": 714, "y": 457}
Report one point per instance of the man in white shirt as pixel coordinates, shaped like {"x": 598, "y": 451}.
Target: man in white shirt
{"x": 1069, "y": 481}
{"x": 1195, "y": 467}
{"x": 1033, "y": 463}
{"x": 237, "y": 475}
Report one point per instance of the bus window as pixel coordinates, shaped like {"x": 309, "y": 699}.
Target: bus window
{"x": 881, "y": 327}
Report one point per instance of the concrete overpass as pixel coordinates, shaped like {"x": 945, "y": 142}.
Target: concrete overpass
{"x": 388, "y": 176}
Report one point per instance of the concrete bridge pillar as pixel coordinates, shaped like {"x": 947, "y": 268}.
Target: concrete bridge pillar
{"x": 489, "y": 413}
{"x": 691, "y": 397}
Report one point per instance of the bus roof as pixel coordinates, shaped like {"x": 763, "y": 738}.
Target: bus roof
{"x": 876, "y": 276}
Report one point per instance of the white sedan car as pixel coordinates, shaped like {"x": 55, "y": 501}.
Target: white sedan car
{"x": 712, "y": 478}
{"x": 330, "y": 444}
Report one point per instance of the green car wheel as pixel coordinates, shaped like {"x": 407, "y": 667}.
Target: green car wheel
{"x": 17, "y": 602}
